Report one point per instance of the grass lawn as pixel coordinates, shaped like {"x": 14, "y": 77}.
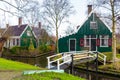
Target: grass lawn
{"x": 48, "y": 76}
{"x": 13, "y": 65}
{"x": 109, "y": 55}
{"x": 18, "y": 66}
{"x": 111, "y": 67}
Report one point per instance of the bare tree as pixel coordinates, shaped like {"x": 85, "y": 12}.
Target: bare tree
{"x": 113, "y": 9}
{"x": 55, "y": 12}
{"x": 30, "y": 10}
{"x": 69, "y": 30}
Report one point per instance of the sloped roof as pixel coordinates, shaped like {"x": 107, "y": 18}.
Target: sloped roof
{"x": 2, "y": 30}
{"x": 15, "y": 30}
{"x": 38, "y": 31}
{"x": 79, "y": 27}
{"x": 91, "y": 13}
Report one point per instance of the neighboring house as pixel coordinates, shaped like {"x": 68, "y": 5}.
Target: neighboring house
{"x": 93, "y": 35}
{"x": 41, "y": 34}
{"x": 1, "y": 31}
{"x": 19, "y": 35}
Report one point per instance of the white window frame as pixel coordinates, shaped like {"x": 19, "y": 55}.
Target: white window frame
{"x": 28, "y": 33}
{"x": 85, "y": 40}
{"x": 18, "y": 42}
{"x": 69, "y": 43}
{"x": 104, "y": 38}
{"x": 95, "y": 23}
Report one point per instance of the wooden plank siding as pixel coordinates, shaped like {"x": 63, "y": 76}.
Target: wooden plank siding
{"x": 25, "y": 39}
{"x": 85, "y": 30}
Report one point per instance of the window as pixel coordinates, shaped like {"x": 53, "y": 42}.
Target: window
{"x": 93, "y": 25}
{"x": 87, "y": 40}
{"x": 104, "y": 40}
{"x": 17, "y": 42}
{"x": 28, "y": 33}
{"x": 13, "y": 41}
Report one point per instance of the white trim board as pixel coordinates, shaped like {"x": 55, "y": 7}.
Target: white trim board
{"x": 75, "y": 43}
{"x": 26, "y": 29}
{"x": 93, "y": 11}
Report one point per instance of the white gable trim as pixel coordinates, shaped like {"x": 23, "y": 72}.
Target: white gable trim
{"x": 33, "y": 32}
{"x": 14, "y": 36}
{"x": 26, "y": 29}
{"x": 23, "y": 31}
{"x": 106, "y": 25}
{"x": 84, "y": 23}
{"x": 87, "y": 19}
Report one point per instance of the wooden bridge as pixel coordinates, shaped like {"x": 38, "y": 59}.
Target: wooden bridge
{"x": 76, "y": 56}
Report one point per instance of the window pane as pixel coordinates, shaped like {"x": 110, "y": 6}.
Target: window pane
{"x": 93, "y": 36}
{"x": 13, "y": 41}
{"x": 104, "y": 42}
{"x": 17, "y": 41}
{"x": 93, "y": 25}
{"x": 87, "y": 42}
{"x": 28, "y": 33}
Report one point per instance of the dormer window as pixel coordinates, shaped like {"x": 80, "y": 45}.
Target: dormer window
{"x": 28, "y": 33}
{"x": 93, "y": 25}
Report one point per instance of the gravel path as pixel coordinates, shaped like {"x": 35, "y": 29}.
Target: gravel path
{"x": 9, "y": 75}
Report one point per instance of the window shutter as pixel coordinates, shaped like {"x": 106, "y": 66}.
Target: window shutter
{"x": 81, "y": 42}
{"x": 97, "y": 42}
{"x": 110, "y": 42}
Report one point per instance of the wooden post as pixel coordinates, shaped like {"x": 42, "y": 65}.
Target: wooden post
{"x": 72, "y": 64}
{"x": 48, "y": 63}
{"x": 87, "y": 64}
{"x": 97, "y": 62}
{"x": 58, "y": 66}
{"x": 104, "y": 60}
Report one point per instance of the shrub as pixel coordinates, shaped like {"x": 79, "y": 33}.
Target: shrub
{"x": 42, "y": 48}
{"x": 52, "y": 47}
{"x": 15, "y": 50}
{"x": 31, "y": 46}
{"x": 49, "y": 48}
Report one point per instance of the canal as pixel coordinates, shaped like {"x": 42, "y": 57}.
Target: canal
{"x": 42, "y": 62}
{"x": 92, "y": 75}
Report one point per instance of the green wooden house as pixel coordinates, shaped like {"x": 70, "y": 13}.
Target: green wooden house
{"x": 19, "y": 35}
{"x": 93, "y": 35}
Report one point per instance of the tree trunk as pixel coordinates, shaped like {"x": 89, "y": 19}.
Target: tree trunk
{"x": 113, "y": 32}
{"x": 57, "y": 48}
{"x": 1, "y": 46}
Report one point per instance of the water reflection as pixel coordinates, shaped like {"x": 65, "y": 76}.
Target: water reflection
{"x": 38, "y": 61}
{"x": 92, "y": 76}
{"x": 42, "y": 62}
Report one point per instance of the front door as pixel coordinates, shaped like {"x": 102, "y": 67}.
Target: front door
{"x": 72, "y": 45}
{"x": 93, "y": 44}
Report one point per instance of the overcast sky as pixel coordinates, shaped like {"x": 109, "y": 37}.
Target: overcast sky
{"x": 77, "y": 18}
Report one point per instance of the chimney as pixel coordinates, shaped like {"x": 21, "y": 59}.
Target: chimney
{"x": 7, "y": 25}
{"x": 39, "y": 25}
{"x": 89, "y": 9}
{"x": 20, "y": 21}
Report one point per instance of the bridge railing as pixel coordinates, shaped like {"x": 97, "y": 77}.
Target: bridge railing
{"x": 102, "y": 57}
{"x": 65, "y": 57}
